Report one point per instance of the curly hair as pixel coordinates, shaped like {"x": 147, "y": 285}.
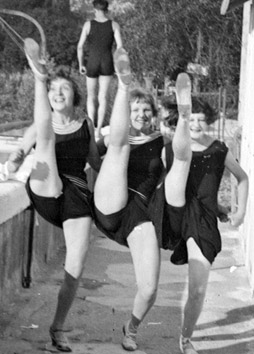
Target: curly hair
{"x": 63, "y": 72}
{"x": 201, "y": 106}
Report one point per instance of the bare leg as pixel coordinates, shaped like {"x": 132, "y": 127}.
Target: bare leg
{"x": 145, "y": 253}
{"x": 104, "y": 83}
{"x": 91, "y": 101}
{"x": 199, "y": 269}
{"x": 111, "y": 183}
{"x": 176, "y": 179}
{"x": 44, "y": 179}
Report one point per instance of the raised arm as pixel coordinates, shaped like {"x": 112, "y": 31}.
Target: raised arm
{"x": 243, "y": 186}
{"x": 80, "y": 51}
{"x": 117, "y": 35}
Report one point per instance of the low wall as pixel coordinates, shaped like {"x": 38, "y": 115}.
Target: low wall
{"x": 14, "y": 128}
{"x": 27, "y": 241}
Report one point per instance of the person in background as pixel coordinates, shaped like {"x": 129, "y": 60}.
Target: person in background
{"x": 100, "y": 35}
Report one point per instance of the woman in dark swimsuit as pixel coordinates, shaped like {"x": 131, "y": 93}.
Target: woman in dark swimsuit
{"x": 201, "y": 240}
{"x": 129, "y": 176}
{"x": 100, "y": 35}
{"x": 57, "y": 185}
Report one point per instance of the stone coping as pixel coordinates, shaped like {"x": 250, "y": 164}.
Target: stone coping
{"x": 13, "y": 199}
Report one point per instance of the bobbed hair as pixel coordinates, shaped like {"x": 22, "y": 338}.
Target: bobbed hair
{"x": 142, "y": 95}
{"x": 63, "y": 72}
{"x": 101, "y": 5}
{"x": 199, "y": 105}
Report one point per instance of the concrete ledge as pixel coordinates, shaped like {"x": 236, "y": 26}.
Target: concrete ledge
{"x": 17, "y": 127}
{"x": 13, "y": 199}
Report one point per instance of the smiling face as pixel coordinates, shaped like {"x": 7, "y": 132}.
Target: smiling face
{"x": 198, "y": 126}
{"x": 61, "y": 95}
{"x": 141, "y": 116}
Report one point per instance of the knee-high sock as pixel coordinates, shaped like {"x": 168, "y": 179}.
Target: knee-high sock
{"x": 66, "y": 296}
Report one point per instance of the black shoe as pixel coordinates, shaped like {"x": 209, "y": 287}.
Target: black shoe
{"x": 129, "y": 340}
{"x": 59, "y": 340}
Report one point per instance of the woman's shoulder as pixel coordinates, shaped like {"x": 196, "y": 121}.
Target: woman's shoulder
{"x": 220, "y": 145}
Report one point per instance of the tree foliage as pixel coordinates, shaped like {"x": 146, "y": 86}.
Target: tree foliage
{"x": 60, "y": 25}
{"x": 161, "y": 36}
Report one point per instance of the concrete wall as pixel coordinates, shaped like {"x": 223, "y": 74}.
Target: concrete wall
{"x": 246, "y": 117}
{"x": 27, "y": 241}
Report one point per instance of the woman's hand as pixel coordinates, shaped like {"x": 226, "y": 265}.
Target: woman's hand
{"x": 82, "y": 70}
{"x": 236, "y": 219}
{"x": 15, "y": 160}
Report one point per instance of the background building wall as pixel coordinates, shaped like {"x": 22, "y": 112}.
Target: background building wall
{"x": 246, "y": 118}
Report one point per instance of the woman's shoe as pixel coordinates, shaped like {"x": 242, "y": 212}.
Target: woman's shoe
{"x": 59, "y": 340}
{"x": 129, "y": 340}
{"x": 183, "y": 95}
{"x": 36, "y": 63}
{"x": 122, "y": 66}
{"x": 186, "y": 346}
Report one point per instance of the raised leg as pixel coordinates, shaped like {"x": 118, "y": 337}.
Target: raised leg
{"x": 44, "y": 179}
{"x": 111, "y": 182}
{"x": 176, "y": 179}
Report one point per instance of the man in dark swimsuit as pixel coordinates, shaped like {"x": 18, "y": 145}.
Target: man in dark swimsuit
{"x": 100, "y": 34}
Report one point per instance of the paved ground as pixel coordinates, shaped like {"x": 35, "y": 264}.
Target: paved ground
{"x": 104, "y": 302}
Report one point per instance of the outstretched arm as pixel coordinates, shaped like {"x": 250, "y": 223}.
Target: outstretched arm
{"x": 117, "y": 35}
{"x": 17, "y": 157}
{"x": 82, "y": 40}
{"x": 243, "y": 185}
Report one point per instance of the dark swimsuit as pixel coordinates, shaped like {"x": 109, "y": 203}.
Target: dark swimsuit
{"x": 100, "y": 41}
{"x": 201, "y": 210}
{"x": 144, "y": 170}
{"x": 74, "y": 202}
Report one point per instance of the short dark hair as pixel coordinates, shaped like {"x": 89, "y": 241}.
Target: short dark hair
{"x": 140, "y": 94}
{"x": 63, "y": 72}
{"x": 168, "y": 102}
{"x": 199, "y": 105}
{"x": 101, "y": 5}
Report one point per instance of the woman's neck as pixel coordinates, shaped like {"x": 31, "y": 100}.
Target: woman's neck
{"x": 63, "y": 118}
{"x": 134, "y": 132}
{"x": 201, "y": 144}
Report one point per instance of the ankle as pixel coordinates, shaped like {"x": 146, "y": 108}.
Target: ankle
{"x": 184, "y": 339}
{"x": 134, "y": 324}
